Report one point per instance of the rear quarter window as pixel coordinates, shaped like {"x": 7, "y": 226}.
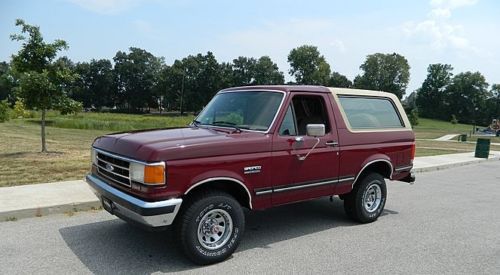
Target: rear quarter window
{"x": 371, "y": 112}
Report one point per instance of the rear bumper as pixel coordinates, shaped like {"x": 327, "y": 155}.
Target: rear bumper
{"x": 410, "y": 178}
{"x": 149, "y": 214}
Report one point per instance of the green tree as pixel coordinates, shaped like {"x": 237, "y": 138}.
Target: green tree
{"x": 202, "y": 80}
{"x": 135, "y": 75}
{"x": 493, "y": 103}
{"x": 266, "y": 72}
{"x": 410, "y": 101}
{"x": 191, "y": 82}
{"x": 308, "y": 66}
{"x": 431, "y": 97}
{"x": 94, "y": 86}
{"x": 243, "y": 71}
{"x": 384, "y": 72}
{"x": 7, "y": 82}
{"x": 466, "y": 96}
{"x": 339, "y": 80}
{"x": 4, "y": 111}
{"x": 42, "y": 82}
{"x": 413, "y": 117}
{"x": 226, "y": 74}
{"x": 251, "y": 71}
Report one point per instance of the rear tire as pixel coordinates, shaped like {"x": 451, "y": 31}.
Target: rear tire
{"x": 366, "y": 201}
{"x": 210, "y": 227}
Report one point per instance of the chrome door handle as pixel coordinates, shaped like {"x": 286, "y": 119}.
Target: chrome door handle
{"x": 332, "y": 143}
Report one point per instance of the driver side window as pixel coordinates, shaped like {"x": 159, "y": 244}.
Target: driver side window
{"x": 304, "y": 110}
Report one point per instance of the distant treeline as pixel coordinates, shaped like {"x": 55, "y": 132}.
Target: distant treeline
{"x": 137, "y": 81}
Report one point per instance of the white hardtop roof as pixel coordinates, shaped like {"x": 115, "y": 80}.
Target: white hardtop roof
{"x": 349, "y": 91}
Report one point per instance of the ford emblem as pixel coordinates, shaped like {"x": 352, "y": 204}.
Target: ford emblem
{"x": 109, "y": 167}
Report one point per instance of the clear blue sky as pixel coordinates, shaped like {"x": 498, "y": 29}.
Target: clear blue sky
{"x": 464, "y": 33}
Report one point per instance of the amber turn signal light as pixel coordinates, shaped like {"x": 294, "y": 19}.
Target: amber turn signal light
{"x": 154, "y": 174}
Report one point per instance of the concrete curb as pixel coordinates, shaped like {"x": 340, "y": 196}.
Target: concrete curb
{"x": 452, "y": 165}
{"x": 44, "y": 199}
{"x": 68, "y": 209}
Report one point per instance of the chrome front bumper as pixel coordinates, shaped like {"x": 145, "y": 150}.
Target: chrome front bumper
{"x": 150, "y": 214}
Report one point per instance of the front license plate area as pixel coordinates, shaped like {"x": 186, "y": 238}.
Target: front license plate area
{"x": 107, "y": 204}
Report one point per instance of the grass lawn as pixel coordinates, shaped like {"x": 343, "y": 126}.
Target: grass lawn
{"x": 21, "y": 162}
{"x": 431, "y": 129}
{"x": 113, "y": 122}
{"x": 69, "y": 157}
{"x": 432, "y": 148}
{"x": 69, "y": 139}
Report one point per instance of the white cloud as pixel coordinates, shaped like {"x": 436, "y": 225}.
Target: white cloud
{"x": 440, "y": 13}
{"x": 452, "y": 4}
{"x": 339, "y": 45}
{"x": 106, "y": 6}
{"x": 438, "y": 30}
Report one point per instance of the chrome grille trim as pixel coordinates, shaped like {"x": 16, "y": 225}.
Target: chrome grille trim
{"x": 116, "y": 174}
{"x": 110, "y": 163}
{"x": 124, "y": 180}
{"x": 113, "y": 180}
{"x": 121, "y": 177}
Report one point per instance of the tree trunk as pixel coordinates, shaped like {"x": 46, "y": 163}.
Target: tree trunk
{"x": 44, "y": 145}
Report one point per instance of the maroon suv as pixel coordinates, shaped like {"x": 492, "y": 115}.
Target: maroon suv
{"x": 255, "y": 147}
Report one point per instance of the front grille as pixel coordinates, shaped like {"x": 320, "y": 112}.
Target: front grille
{"x": 113, "y": 168}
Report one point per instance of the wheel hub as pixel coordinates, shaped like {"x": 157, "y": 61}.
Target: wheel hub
{"x": 372, "y": 197}
{"x": 214, "y": 229}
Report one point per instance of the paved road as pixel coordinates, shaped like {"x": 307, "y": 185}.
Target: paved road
{"x": 448, "y": 222}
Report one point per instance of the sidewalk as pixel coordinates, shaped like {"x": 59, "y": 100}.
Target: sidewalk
{"x": 69, "y": 196}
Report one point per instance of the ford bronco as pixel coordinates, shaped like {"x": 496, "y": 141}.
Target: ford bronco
{"x": 255, "y": 147}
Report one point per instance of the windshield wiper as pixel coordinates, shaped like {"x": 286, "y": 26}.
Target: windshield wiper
{"x": 196, "y": 123}
{"x": 228, "y": 124}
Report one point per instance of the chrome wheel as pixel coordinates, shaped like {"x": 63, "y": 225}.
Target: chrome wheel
{"x": 214, "y": 229}
{"x": 372, "y": 197}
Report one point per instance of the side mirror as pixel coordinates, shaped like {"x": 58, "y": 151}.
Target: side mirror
{"x": 315, "y": 130}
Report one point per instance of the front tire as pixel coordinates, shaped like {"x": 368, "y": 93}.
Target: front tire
{"x": 210, "y": 227}
{"x": 366, "y": 201}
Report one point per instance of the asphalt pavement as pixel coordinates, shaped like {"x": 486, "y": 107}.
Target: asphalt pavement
{"x": 447, "y": 222}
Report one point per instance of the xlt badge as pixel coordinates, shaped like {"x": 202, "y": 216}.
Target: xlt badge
{"x": 252, "y": 169}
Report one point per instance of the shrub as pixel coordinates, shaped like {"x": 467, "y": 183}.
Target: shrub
{"x": 4, "y": 111}
{"x": 20, "y": 110}
{"x": 454, "y": 119}
{"x": 413, "y": 117}
{"x": 70, "y": 106}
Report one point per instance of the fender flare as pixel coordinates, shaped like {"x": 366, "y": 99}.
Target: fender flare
{"x": 208, "y": 180}
{"x": 370, "y": 163}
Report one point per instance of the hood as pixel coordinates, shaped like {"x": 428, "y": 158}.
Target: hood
{"x": 182, "y": 143}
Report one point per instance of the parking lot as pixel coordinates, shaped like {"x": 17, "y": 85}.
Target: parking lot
{"x": 448, "y": 222}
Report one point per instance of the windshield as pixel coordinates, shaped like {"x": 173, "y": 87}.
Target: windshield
{"x": 241, "y": 110}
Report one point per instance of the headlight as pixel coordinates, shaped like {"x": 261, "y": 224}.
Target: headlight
{"x": 93, "y": 156}
{"x": 147, "y": 174}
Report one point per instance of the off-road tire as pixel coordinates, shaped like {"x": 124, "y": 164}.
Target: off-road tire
{"x": 355, "y": 203}
{"x": 195, "y": 212}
